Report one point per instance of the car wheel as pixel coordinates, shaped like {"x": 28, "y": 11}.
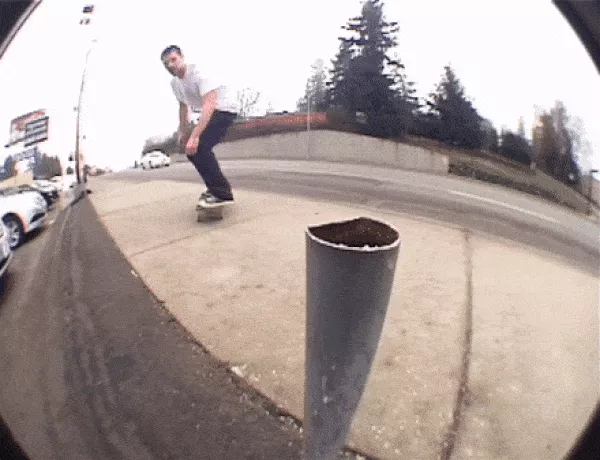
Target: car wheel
{"x": 15, "y": 231}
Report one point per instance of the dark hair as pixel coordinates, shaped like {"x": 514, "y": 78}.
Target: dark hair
{"x": 169, "y": 49}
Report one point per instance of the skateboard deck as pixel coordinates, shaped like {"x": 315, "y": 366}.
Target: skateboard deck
{"x": 209, "y": 213}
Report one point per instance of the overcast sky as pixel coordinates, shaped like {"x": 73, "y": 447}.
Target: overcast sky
{"x": 509, "y": 55}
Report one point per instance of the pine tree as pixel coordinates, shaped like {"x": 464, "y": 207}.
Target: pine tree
{"x": 8, "y": 169}
{"x": 490, "y": 136}
{"x": 365, "y": 78}
{"x": 516, "y": 147}
{"x": 341, "y": 65}
{"x": 457, "y": 121}
{"x": 315, "y": 90}
{"x": 47, "y": 167}
{"x": 406, "y": 100}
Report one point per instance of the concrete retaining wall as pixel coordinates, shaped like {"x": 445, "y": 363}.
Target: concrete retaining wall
{"x": 334, "y": 146}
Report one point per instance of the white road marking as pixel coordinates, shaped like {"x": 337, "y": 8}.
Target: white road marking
{"x": 499, "y": 203}
{"x": 274, "y": 166}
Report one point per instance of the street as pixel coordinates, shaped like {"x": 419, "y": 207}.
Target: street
{"x": 479, "y": 206}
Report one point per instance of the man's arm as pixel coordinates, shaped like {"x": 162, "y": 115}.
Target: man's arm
{"x": 209, "y": 104}
{"x": 183, "y": 116}
{"x": 183, "y": 124}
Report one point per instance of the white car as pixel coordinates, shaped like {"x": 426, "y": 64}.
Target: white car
{"x": 64, "y": 183}
{"x": 6, "y": 253}
{"x": 21, "y": 212}
{"x": 155, "y": 160}
{"x": 46, "y": 185}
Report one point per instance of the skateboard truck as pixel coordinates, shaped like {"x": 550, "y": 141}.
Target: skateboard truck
{"x": 209, "y": 212}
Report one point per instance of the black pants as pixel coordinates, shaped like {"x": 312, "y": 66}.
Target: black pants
{"x": 205, "y": 160}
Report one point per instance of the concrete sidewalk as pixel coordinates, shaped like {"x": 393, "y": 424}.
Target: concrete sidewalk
{"x": 515, "y": 327}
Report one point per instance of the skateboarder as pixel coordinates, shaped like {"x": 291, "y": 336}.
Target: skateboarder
{"x": 218, "y": 110}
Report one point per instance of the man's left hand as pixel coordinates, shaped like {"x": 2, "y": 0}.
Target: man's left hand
{"x": 192, "y": 145}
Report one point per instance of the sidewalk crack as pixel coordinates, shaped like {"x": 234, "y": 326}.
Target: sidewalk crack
{"x": 451, "y": 435}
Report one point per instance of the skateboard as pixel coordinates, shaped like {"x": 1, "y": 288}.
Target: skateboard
{"x": 210, "y": 213}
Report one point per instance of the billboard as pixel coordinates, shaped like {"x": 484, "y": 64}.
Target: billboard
{"x": 38, "y": 129}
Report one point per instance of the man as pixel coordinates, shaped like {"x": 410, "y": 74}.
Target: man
{"x": 218, "y": 111}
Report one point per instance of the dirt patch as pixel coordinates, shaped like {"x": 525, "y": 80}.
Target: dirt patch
{"x": 357, "y": 233}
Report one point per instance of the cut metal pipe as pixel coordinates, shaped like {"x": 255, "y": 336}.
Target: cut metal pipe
{"x": 350, "y": 268}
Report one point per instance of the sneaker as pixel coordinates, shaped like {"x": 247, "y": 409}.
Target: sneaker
{"x": 202, "y": 198}
{"x": 213, "y": 201}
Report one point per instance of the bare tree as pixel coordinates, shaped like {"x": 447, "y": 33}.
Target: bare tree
{"x": 247, "y": 100}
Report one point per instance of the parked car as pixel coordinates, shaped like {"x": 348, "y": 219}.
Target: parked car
{"x": 6, "y": 253}
{"x": 68, "y": 181}
{"x": 47, "y": 185}
{"x": 155, "y": 160}
{"x": 49, "y": 193}
{"x": 21, "y": 212}
{"x": 65, "y": 182}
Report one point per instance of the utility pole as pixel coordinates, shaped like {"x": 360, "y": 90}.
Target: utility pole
{"x": 79, "y": 168}
{"x": 78, "y": 123}
{"x": 308, "y": 95}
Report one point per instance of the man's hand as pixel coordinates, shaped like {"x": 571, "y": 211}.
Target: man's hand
{"x": 192, "y": 144}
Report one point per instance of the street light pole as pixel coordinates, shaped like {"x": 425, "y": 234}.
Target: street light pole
{"x": 79, "y": 172}
{"x": 308, "y": 94}
{"x": 78, "y": 122}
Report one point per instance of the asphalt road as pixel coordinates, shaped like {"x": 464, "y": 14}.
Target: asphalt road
{"x": 93, "y": 366}
{"x": 466, "y": 203}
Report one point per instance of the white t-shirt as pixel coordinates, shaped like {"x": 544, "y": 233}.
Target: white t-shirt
{"x": 192, "y": 87}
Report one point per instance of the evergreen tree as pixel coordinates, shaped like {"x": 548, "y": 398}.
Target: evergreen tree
{"x": 407, "y": 102}
{"x": 341, "y": 65}
{"x": 47, "y": 167}
{"x": 516, "y": 147}
{"x": 456, "y": 119}
{"x": 491, "y": 140}
{"x": 365, "y": 79}
{"x": 316, "y": 89}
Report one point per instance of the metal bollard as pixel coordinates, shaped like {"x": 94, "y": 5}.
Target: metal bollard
{"x": 350, "y": 271}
